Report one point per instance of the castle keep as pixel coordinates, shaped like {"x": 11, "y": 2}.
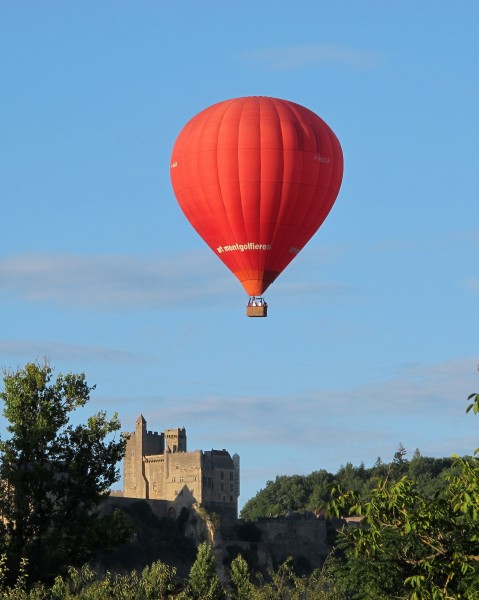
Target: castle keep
{"x": 158, "y": 466}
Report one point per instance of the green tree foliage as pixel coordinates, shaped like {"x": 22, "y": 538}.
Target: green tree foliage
{"x": 54, "y": 474}
{"x": 426, "y": 545}
{"x": 313, "y": 492}
{"x": 203, "y": 582}
{"x": 157, "y": 582}
{"x": 399, "y": 455}
{"x": 282, "y": 584}
{"x": 240, "y": 579}
{"x": 289, "y": 493}
{"x": 285, "y": 584}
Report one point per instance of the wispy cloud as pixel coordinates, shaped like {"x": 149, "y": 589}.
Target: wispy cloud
{"x": 306, "y": 55}
{"x": 470, "y": 283}
{"x": 411, "y": 407}
{"x": 111, "y": 282}
{"x": 117, "y": 283}
{"x": 51, "y": 350}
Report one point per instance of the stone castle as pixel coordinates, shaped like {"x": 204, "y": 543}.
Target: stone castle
{"x": 159, "y": 470}
{"x": 158, "y": 466}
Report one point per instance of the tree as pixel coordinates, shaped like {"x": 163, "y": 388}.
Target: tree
{"x": 400, "y": 454}
{"x": 158, "y": 581}
{"x": 426, "y": 546}
{"x": 54, "y": 475}
{"x": 203, "y": 582}
{"x": 350, "y": 477}
{"x": 417, "y": 454}
{"x": 240, "y": 579}
{"x": 285, "y": 584}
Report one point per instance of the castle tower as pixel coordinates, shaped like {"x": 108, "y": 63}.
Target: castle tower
{"x": 140, "y": 439}
{"x": 140, "y": 434}
{"x": 135, "y": 483}
{"x": 175, "y": 440}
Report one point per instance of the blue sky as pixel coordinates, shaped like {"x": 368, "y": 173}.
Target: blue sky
{"x": 371, "y": 339}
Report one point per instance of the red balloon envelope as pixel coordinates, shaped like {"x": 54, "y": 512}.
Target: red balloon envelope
{"x": 256, "y": 177}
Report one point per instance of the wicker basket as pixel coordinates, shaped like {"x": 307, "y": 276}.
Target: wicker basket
{"x": 257, "y": 311}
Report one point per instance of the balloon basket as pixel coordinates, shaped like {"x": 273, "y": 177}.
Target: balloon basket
{"x": 256, "y": 311}
{"x": 257, "y": 307}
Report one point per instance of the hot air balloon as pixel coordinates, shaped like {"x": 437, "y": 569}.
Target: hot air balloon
{"x": 256, "y": 177}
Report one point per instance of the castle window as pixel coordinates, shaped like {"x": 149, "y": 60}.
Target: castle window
{"x": 222, "y": 487}
{"x": 222, "y": 474}
{"x": 173, "y": 479}
{"x": 231, "y": 475}
{"x": 231, "y": 498}
{"x": 182, "y": 478}
{"x": 231, "y": 487}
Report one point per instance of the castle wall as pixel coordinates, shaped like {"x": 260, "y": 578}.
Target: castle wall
{"x": 307, "y": 529}
{"x": 170, "y": 475}
{"x": 153, "y": 443}
{"x": 306, "y": 537}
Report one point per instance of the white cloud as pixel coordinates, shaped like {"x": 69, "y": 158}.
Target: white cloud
{"x": 300, "y": 56}
{"x": 116, "y": 283}
{"x": 423, "y": 406}
{"x": 30, "y": 350}
{"x": 111, "y": 282}
{"x": 470, "y": 283}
